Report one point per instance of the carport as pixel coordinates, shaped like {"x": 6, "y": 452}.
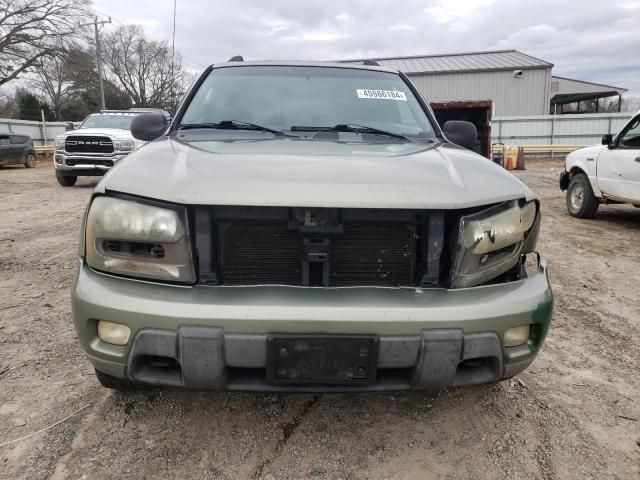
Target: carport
{"x": 567, "y": 90}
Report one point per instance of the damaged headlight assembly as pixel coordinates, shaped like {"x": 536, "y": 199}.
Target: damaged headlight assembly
{"x": 491, "y": 242}
{"x": 127, "y": 237}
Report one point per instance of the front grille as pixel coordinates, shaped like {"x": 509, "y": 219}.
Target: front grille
{"x": 88, "y": 144}
{"x": 90, "y": 161}
{"x": 261, "y": 254}
{"x": 372, "y": 255}
{"x": 362, "y": 254}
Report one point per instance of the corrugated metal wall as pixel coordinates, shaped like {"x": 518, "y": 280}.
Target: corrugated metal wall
{"x": 33, "y": 129}
{"x": 586, "y": 129}
{"x": 528, "y": 95}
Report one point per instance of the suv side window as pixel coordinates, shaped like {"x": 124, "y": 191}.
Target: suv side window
{"x": 630, "y": 137}
{"x": 4, "y": 140}
{"x": 17, "y": 140}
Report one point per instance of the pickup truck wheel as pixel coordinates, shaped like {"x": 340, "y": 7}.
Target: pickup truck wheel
{"x": 66, "y": 180}
{"x": 581, "y": 202}
{"x": 115, "y": 383}
{"x": 30, "y": 160}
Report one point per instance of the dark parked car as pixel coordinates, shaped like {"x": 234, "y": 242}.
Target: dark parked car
{"x": 17, "y": 150}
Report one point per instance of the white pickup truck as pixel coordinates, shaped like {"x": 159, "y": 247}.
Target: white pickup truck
{"x": 607, "y": 173}
{"x": 99, "y": 143}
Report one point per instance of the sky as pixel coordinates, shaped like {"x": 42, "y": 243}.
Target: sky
{"x": 592, "y": 40}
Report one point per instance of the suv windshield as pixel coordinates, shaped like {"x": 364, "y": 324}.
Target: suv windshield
{"x": 301, "y": 98}
{"x": 106, "y": 120}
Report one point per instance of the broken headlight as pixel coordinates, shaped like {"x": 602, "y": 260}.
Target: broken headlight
{"x": 139, "y": 240}
{"x": 490, "y": 242}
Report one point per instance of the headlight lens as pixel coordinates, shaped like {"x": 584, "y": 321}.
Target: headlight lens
{"x": 140, "y": 240}
{"x": 490, "y": 242}
{"x": 60, "y": 142}
{"x": 123, "y": 145}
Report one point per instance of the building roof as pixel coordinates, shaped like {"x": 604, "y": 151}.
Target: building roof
{"x": 569, "y": 90}
{"x": 460, "y": 62}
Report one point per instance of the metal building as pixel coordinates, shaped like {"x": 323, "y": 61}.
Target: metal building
{"x": 567, "y": 90}
{"x": 517, "y": 83}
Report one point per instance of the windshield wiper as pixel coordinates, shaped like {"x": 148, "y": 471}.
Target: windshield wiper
{"x": 353, "y": 127}
{"x": 234, "y": 125}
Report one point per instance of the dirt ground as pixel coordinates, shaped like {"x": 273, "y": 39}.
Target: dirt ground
{"x": 575, "y": 414}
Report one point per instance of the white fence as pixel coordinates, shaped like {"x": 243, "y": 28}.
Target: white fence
{"x": 586, "y": 129}
{"x": 38, "y": 131}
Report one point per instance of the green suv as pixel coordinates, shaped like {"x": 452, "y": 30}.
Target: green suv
{"x": 308, "y": 227}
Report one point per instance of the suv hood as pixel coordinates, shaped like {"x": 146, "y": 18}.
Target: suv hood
{"x": 312, "y": 173}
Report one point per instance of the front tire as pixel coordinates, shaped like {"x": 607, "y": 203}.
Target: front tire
{"x": 66, "y": 180}
{"x": 30, "y": 161}
{"x": 581, "y": 202}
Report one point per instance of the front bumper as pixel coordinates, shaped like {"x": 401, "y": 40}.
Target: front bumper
{"x": 86, "y": 164}
{"x": 216, "y": 337}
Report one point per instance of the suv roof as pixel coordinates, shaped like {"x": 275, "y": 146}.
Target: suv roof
{"x": 300, "y": 63}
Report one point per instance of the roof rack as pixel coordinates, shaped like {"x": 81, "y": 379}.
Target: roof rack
{"x": 236, "y": 58}
{"x": 371, "y": 63}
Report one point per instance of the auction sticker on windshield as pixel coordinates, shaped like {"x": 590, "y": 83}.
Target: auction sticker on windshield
{"x": 381, "y": 94}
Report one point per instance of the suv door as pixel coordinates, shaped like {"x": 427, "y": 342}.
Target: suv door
{"x": 6, "y": 154}
{"x": 18, "y": 147}
{"x": 619, "y": 164}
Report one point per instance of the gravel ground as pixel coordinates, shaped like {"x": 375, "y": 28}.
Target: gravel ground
{"x": 575, "y": 414}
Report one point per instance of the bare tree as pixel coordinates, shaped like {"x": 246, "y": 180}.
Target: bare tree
{"x": 142, "y": 67}
{"x": 68, "y": 83}
{"x": 53, "y": 81}
{"x": 8, "y": 105}
{"x": 33, "y": 29}
{"x": 630, "y": 103}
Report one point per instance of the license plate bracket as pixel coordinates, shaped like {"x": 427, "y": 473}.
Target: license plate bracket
{"x": 322, "y": 359}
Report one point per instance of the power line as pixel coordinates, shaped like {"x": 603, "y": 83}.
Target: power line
{"x": 189, "y": 60}
{"x": 109, "y": 16}
{"x": 193, "y": 62}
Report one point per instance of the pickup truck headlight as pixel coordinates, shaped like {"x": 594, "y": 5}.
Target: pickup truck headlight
{"x": 139, "y": 240}
{"x": 123, "y": 145}
{"x": 490, "y": 242}
{"x": 60, "y": 143}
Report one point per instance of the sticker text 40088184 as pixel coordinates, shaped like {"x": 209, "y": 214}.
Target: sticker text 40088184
{"x": 381, "y": 94}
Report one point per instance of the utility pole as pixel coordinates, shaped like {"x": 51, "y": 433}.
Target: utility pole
{"x": 173, "y": 56}
{"x": 95, "y": 24}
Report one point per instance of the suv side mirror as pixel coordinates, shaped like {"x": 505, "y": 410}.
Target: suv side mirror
{"x": 68, "y": 126}
{"x": 607, "y": 139}
{"x": 148, "y": 126}
{"x": 461, "y": 133}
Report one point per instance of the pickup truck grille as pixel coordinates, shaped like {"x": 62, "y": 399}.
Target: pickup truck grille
{"x": 361, "y": 254}
{"x": 90, "y": 161}
{"x": 88, "y": 144}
